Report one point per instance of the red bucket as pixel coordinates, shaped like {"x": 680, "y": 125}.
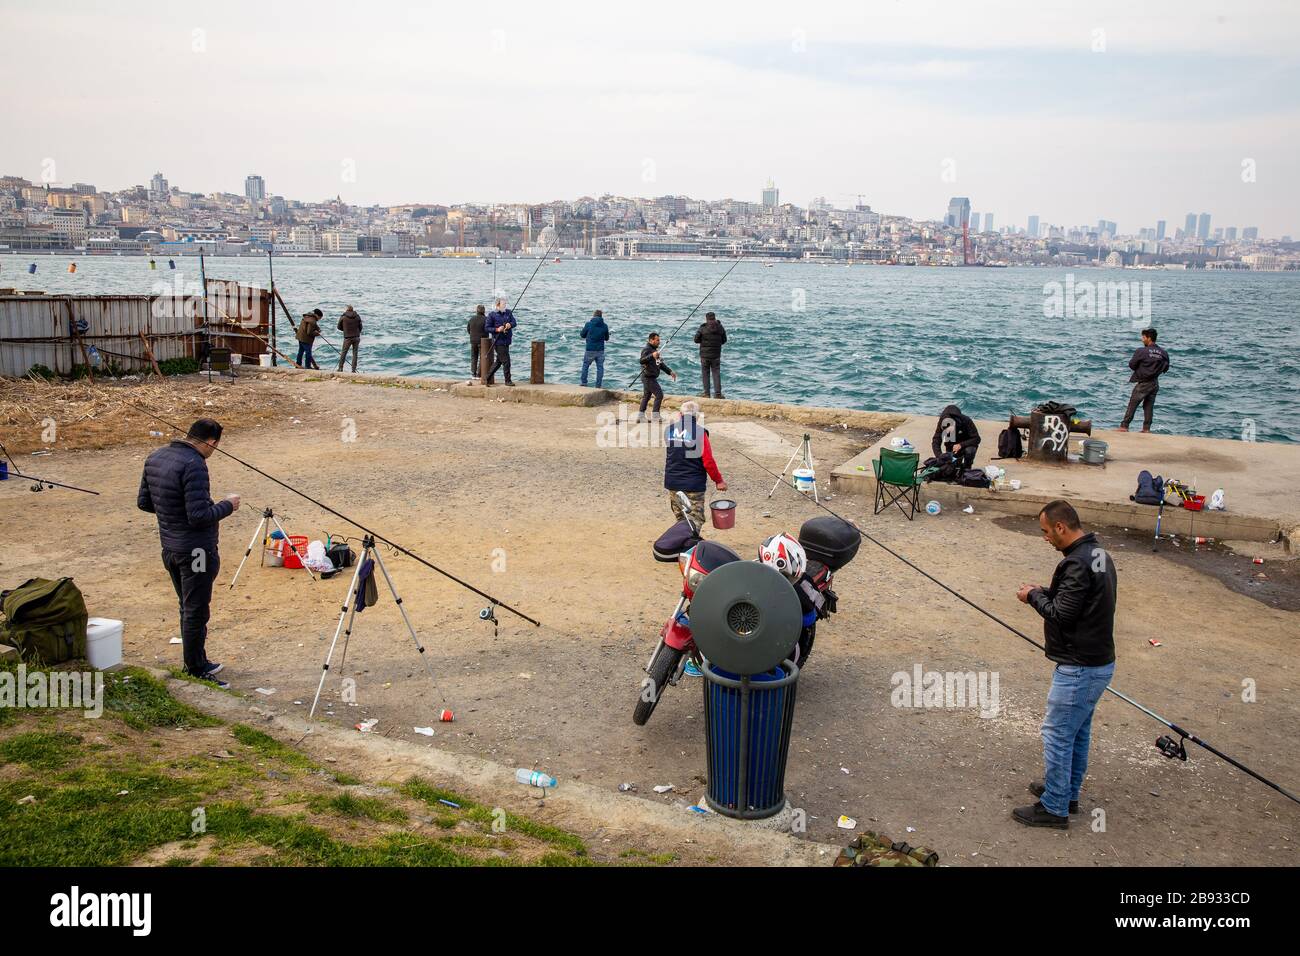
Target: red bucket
{"x": 1195, "y": 503}
{"x": 299, "y": 542}
{"x": 723, "y": 513}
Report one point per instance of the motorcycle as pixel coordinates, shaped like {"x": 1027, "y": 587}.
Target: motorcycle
{"x": 676, "y": 643}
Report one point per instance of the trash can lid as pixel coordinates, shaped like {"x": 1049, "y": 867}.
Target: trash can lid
{"x": 745, "y": 617}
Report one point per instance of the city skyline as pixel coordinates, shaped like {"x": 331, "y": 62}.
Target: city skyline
{"x": 518, "y": 106}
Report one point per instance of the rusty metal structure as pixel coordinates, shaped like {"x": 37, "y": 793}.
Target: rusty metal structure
{"x": 130, "y": 331}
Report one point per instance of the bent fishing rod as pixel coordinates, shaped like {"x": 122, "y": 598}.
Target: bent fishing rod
{"x": 692, "y": 312}
{"x": 1167, "y": 745}
{"x": 495, "y": 602}
{"x": 40, "y": 482}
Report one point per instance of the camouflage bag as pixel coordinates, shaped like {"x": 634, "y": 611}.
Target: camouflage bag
{"x": 875, "y": 849}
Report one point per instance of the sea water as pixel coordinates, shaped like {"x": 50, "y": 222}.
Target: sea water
{"x": 914, "y": 339}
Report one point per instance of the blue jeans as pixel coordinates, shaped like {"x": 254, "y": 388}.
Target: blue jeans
{"x": 1067, "y": 731}
{"x": 304, "y": 356}
{"x": 599, "y": 359}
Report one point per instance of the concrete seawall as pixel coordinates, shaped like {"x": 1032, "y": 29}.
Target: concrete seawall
{"x": 1258, "y": 477}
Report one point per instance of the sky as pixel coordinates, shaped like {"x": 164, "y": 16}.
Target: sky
{"x": 1130, "y": 112}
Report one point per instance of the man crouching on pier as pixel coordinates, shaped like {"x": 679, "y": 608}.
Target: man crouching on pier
{"x": 1078, "y": 613}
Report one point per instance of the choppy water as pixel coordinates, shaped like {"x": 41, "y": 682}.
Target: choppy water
{"x": 895, "y": 338}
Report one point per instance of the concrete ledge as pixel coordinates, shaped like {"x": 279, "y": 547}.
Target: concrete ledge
{"x": 1257, "y": 477}
{"x": 534, "y": 394}
{"x": 573, "y": 805}
{"x": 815, "y": 415}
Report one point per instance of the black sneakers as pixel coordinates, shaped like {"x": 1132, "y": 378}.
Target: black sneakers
{"x": 1037, "y": 789}
{"x": 1037, "y": 816}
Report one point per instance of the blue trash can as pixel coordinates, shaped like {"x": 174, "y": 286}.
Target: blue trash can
{"x": 747, "y": 723}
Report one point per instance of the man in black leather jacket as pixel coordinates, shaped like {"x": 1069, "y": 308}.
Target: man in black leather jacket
{"x": 1078, "y": 613}
{"x": 1148, "y": 364}
{"x": 174, "y": 487}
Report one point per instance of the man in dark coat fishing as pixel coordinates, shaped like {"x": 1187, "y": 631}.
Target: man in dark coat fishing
{"x": 500, "y": 325}
{"x": 711, "y": 337}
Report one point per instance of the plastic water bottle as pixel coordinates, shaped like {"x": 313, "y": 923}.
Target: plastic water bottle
{"x": 534, "y": 778}
{"x": 932, "y": 508}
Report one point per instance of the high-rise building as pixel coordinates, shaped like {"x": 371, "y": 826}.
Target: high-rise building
{"x": 1203, "y": 226}
{"x": 1230, "y": 233}
{"x": 1250, "y": 232}
{"x": 255, "y": 188}
{"x": 1033, "y": 227}
{"x": 771, "y": 195}
{"x": 1189, "y": 227}
{"x": 158, "y": 187}
{"x": 1160, "y": 229}
{"x": 958, "y": 212}
{"x": 988, "y": 222}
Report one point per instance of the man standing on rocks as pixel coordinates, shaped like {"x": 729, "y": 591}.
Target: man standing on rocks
{"x": 174, "y": 487}
{"x": 711, "y": 337}
{"x": 1078, "y": 613}
{"x": 1148, "y": 363}
{"x": 350, "y": 326}
{"x": 500, "y": 326}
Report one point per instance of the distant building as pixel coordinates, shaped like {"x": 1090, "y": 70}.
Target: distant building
{"x": 771, "y": 195}
{"x": 1230, "y": 234}
{"x": 1160, "y": 230}
{"x": 255, "y": 189}
{"x": 1189, "y": 226}
{"x": 988, "y": 222}
{"x": 158, "y": 188}
{"x": 958, "y": 212}
{"x": 1203, "y": 226}
{"x": 1250, "y": 232}
{"x": 1032, "y": 229}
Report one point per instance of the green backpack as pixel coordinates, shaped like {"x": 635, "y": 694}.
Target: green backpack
{"x": 45, "y": 620}
{"x": 876, "y": 849}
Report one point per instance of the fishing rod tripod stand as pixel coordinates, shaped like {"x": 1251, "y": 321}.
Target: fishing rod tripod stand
{"x": 804, "y": 453}
{"x": 349, "y": 614}
{"x": 268, "y": 517}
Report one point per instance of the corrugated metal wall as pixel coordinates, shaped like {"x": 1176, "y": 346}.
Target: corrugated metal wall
{"x": 114, "y": 324}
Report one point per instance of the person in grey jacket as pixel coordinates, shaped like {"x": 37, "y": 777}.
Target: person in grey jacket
{"x": 175, "y": 487}
{"x": 1148, "y": 364}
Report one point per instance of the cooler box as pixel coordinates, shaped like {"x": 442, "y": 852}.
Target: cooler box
{"x": 103, "y": 643}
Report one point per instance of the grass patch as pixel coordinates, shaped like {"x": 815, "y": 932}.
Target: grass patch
{"x": 348, "y": 805}
{"x": 40, "y": 750}
{"x": 270, "y": 748}
{"x": 486, "y": 817}
{"x": 142, "y": 702}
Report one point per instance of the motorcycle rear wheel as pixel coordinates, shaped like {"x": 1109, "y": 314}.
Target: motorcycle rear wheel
{"x": 662, "y": 667}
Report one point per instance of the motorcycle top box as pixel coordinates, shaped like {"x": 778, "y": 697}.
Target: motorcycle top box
{"x": 680, "y": 537}
{"x": 832, "y": 541}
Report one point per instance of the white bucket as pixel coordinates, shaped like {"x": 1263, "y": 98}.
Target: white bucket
{"x": 805, "y": 480}
{"x": 264, "y": 361}
{"x": 103, "y": 643}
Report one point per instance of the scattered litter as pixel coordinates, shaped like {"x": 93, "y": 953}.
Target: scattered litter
{"x": 627, "y": 788}
{"x": 448, "y": 803}
{"x": 223, "y": 755}
{"x": 175, "y": 640}
{"x": 1258, "y": 561}
{"x": 524, "y": 676}
{"x": 1154, "y": 643}
{"x": 696, "y": 808}
{"x": 367, "y": 725}
{"x": 664, "y": 788}
{"x": 388, "y": 684}
{"x": 932, "y": 508}
{"x": 446, "y": 716}
{"x": 425, "y": 731}
{"x": 969, "y": 509}
{"x": 844, "y": 769}
{"x": 28, "y": 799}
{"x": 265, "y": 691}
{"x": 123, "y": 793}
{"x": 298, "y": 702}
{"x": 911, "y": 829}
{"x": 846, "y": 823}
{"x": 43, "y": 451}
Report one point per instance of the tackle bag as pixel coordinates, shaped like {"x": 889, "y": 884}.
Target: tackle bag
{"x": 876, "y": 849}
{"x": 945, "y": 467}
{"x": 1010, "y": 444}
{"x": 340, "y": 555}
{"x": 45, "y": 620}
{"x": 830, "y": 540}
{"x": 1150, "y": 491}
{"x": 974, "y": 478}
{"x": 680, "y": 537}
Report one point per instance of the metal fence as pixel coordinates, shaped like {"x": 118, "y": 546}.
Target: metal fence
{"x": 58, "y": 331}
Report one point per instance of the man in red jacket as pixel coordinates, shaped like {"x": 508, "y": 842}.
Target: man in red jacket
{"x": 689, "y": 462}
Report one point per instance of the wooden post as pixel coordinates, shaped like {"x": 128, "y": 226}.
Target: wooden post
{"x": 148, "y": 351}
{"x": 538, "y": 376}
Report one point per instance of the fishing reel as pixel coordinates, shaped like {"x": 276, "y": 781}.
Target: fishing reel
{"x": 1172, "y": 748}
{"x": 489, "y": 615}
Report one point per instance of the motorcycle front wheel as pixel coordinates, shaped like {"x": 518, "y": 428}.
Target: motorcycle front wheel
{"x": 661, "y": 668}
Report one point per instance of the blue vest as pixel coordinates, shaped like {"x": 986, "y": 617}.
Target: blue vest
{"x": 684, "y": 464}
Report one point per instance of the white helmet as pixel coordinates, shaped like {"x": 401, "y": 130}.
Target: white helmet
{"x": 785, "y": 554}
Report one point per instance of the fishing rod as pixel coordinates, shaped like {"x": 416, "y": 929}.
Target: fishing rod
{"x": 495, "y": 602}
{"x": 693, "y": 311}
{"x": 540, "y": 262}
{"x": 40, "y": 482}
{"x": 1166, "y": 745}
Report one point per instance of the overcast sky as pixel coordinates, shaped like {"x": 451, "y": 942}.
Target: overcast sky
{"x": 1126, "y": 111}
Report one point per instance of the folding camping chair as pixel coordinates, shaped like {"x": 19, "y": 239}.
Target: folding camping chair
{"x": 898, "y": 481}
{"x": 219, "y": 361}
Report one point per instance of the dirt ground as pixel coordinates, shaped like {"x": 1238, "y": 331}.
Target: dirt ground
{"x": 522, "y": 501}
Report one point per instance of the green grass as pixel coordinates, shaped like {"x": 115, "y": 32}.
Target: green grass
{"x": 270, "y": 748}
{"x": 143, "y": 702}
{"x": 348, "y": 805}
{"x": 39, "y": 750}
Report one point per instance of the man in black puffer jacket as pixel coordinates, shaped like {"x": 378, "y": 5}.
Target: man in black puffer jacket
{"x": 1078, "y": 613}
{"x": 175, "y": 488}
{"x": 956, "y": 433}
{"x": 711, "y": 337}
